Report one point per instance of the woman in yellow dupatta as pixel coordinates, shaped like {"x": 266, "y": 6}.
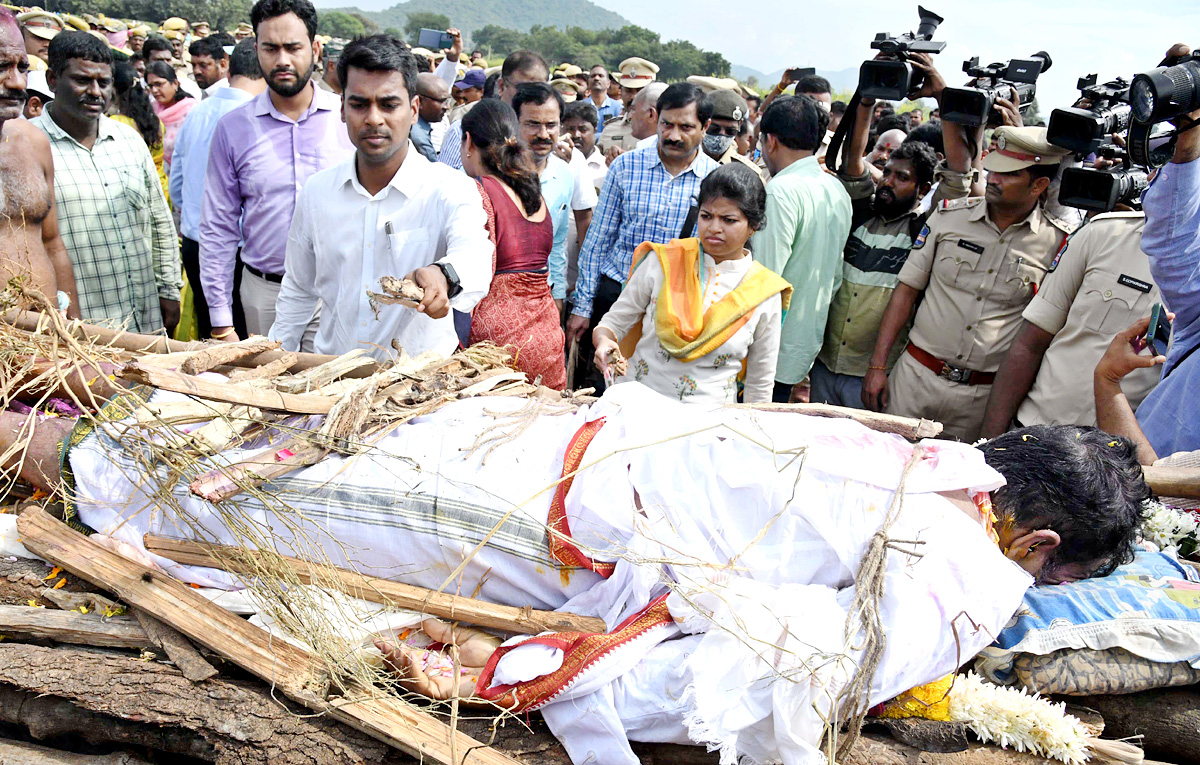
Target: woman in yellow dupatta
{"x": 697, "y": 312}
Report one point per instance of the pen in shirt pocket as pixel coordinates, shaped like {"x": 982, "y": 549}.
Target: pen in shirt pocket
{"x": 387, "y": 230}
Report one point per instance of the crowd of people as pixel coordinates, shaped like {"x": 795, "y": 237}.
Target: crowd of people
{"x": 604, "y": 225}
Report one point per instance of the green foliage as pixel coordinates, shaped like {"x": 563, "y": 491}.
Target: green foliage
{"x": 369, "y": 26}
{"x": 419, "y": 20}
{"x": 676, "y": 59}
{"x": 340, "y": 24}
{"x": 220, "y": 14}
{"x": 397, "y": 33}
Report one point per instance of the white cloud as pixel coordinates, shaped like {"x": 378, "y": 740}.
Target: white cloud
{"x": 1111, "y": 37}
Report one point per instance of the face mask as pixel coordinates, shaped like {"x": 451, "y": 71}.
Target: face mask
{"x": 716, "y": 145}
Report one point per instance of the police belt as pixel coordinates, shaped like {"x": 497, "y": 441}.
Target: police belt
{"x": 947, "y": 370}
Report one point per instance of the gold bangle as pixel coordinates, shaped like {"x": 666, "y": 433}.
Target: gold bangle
{"x": 881, "y": 369}
{"x": 221, "y": 336}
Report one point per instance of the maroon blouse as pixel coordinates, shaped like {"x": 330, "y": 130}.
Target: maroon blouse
{"x": 521, "y": 244}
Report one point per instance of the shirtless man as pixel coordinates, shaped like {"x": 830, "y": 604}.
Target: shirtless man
{"x": 30, "y": 245}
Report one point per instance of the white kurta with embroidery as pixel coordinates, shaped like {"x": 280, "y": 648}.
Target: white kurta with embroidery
{"x": 711, "y": 379}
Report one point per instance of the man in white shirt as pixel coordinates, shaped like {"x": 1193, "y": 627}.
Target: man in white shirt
{"x": 386, "y": 212}
{"x": 579, "y": 125}
{"x": 210, "y": 65}
{"x": 568, "y": 191}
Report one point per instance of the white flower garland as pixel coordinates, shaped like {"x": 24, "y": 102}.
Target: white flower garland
{"x": 1011, "y": 717}
{"x": 1167, "y": 527}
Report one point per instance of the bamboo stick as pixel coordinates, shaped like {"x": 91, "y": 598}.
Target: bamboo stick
{"x": 440, "y": 604}
{"x": 1173, "y": 481}
{"x": 910, "y": 428}
{"x": 233, "y": 393}
{"x": 225, "y": 353}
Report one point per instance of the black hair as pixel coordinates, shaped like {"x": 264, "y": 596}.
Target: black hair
{"x": 1049, "y": 172}
{"x": 798, "y": 122}
{"x": 929, "y": 133}
{"x": 837, "y": 107}
{"x": 581, "y": 110}
{"x": 167, "y": 72}
{"x": 421, "y": 62}
{"x": 891, "y": 122}
{"x": 155, "y": 43}
{"x": 756, "y": 98}
{"x": 680, "y": 94}
{"x": 522, "y": 61}
{"x": 269, "y": 9}
{"x": 813, "y": 83}
{"x": 224, "y": 39}
{"x": 1081, "y": 482}
{"x": 922, "y": 157}
{"x": 740, "y": 185}
{"x": 81, "y": 45}
{"x": 492, "y": 125}
{"x": 244, "y": 61}
{"x": 134, "y": 102}
{"x": 208, "y": 46}
{"x": 379, "y": 53}
{"x": 537, "y": 93}
{"x": 489, "y": 85}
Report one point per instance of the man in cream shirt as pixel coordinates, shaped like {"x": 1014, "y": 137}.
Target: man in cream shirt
{"x": 386, "y": 212}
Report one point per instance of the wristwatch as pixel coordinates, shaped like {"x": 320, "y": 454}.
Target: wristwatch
{"x": 453, "y": 285}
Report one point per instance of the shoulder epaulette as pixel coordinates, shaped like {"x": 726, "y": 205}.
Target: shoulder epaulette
{"x": 963, "y": 203}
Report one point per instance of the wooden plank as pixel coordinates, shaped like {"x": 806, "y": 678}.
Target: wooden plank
{"x": 288, "y": 668}
{"x": 131, "y": 341}
{"x": 233, "y": 393}
{"x": 443, "y": 605}
{"x": 177, "y": 648}
{"x": 908, "y": 427}
{"x": 72, "y": 627}
{"x": 1173, "y": 481}
{"x": 226, "y": 353}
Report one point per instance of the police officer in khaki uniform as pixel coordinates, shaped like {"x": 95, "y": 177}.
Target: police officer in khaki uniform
{"x": 978, "y": 263}
{"x": 243, "y": 31}
{"x": 1099, "y": 284}
{"x": 636, "y": 73}
{"x": 38, "y": 28}
{"x": 729, "y": 116}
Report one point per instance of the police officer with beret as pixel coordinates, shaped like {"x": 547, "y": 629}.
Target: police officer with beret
{"x": 730, "y": 114}
{"x": 975, "y": 266}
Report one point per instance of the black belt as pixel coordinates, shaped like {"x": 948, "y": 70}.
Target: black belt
{"x": 274, "y": 278}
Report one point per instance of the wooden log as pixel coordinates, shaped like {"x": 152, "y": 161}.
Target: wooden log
{"x": 220, "y": 484}
{"x": 268, "y": 371}
{"x": 1168, "y": 718}
{"x": 21, "y": 753}
{"x": 225, "y": 353}
{"x": 177, "y": 648}
{"x": 318, "y": 376}
{"x": 1173, "y": 481}
{"x": 130, "y": 341}
{"x": 233, "y": 393}
{"x": 289, "y": 669}
{"x": 26, "y": 623}
{"x": 440, "y": 604}
{"x": 910, "y": 428}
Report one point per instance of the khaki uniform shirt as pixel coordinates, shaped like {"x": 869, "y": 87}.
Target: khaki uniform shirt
{"x": 617, "y": 133}
{"x": 733, "y": 155}
{"x": 976, "y": 280}
{"x": 1099, "y": 284}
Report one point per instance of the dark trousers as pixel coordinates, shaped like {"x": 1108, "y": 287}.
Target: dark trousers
{"x": 782, "y": 393}
{"x": 586, "y": 374}
{"x": 190, "y": 254}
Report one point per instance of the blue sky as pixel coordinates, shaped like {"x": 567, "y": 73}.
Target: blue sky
{"x": 1105, "y": 36}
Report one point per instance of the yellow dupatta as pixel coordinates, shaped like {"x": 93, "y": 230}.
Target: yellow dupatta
{"x": 684, "y": 328}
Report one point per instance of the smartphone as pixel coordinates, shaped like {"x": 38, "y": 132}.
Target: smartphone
{"x": 434, "y": 39}
{"x": 1158, "y": 334}
{"x": 797, "y": 73}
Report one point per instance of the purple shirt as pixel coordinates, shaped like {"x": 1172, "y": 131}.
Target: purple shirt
{"x": 258, "y": 162}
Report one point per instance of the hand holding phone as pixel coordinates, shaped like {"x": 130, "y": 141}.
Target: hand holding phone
{"x": 1158, "y": 334}
{"x": 434, "y": 39}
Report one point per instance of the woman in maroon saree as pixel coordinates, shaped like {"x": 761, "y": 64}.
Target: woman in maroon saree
{"x": 518, "y": 311}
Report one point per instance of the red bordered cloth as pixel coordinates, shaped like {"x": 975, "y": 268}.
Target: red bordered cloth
{"x": 562, "y": 547}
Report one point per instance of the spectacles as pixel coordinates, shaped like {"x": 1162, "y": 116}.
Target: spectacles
{"x": 537, "y": 127}
{"x": 731, "y": 131}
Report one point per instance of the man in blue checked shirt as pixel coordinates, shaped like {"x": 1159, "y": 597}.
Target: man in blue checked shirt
{"x": 646, "y": 197}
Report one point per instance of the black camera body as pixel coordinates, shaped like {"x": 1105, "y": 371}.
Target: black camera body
{"x": 1085, "y": 130}
{"x": 894, "y": 78}
{"x": 1166, "y": 91}
{"x": 972, "y": 105}
{"x": 1102, "y": 190}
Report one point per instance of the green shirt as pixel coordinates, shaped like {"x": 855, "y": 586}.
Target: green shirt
{"x": 808, "y": 220}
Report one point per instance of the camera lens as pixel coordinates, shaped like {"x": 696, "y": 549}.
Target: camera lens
{"x": 1165, "y": 92}
{"x": 1141, "y": 98}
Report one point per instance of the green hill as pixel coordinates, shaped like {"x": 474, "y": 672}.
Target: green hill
{"x": 470, "y": 15}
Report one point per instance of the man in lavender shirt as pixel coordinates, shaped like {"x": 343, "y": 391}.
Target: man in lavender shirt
{"x": 262, "y": 154}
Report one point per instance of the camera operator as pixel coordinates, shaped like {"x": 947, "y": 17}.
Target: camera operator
{"x": 977, "y": 263}
{"x": 1166, "y": 420}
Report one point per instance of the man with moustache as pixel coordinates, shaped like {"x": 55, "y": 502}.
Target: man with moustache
{"x": 31, "y": 246}
{"x": 387, "y": 211}
{"x": 598, "y": 85}
{"x": 568, "y": 191}
{"x": 111, "y": 211}
{"x": 262, "y": 154}
{"x": 646, "y": 197}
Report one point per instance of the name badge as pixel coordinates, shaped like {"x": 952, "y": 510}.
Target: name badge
{"x": 1137, "y": 284}
{"x": 970, "y": 246}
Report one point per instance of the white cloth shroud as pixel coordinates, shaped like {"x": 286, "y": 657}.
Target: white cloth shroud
{"x": 754, "y": 521}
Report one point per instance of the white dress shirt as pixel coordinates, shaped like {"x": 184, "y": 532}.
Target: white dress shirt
{"x": 342, "y": 240}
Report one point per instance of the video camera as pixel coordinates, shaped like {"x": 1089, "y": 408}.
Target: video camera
{"x": 972, "y": 105}
{"x": 1102, "y": 190}
{"x": 894, "y": 78}
{"x": 1084, "y": 130}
